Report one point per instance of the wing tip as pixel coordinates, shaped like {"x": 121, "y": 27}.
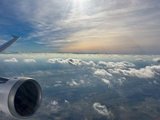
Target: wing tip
{"x": 16, "y": 36}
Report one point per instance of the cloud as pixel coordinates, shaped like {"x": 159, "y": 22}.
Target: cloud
{"x": 147, "y": 72}
{"x": 101, "y": 109}
{"x": 102, "y": 72}
{"x": 42, "y": 72}
{"x": 156, "y": 59}
{"x": 82, "y": 81}
{"x": 2, "y": 42}
{"x": 73, "y": 83}
{"x": 71, "y": 61}
{"x": 58, "y": 82}
{"x": 66, "y": 24}
{"x": 121, "y": 80}
{"x": 57, "y": 85}
{"x": 53, "y": 106}
{"x": 67, "y": 102}
{"x": 139, "y": 59}
{"x": 155, "y": 82}
{"x": 121, "y": 65}
{"x": 11, "y": 60}
{"x": 106, "y": 81}
{"x": 29, "y": 60}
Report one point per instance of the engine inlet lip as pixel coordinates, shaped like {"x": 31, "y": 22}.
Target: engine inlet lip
{"x": 12, "y": 94}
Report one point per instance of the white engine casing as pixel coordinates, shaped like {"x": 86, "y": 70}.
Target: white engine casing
{"x": 20, "y": 97}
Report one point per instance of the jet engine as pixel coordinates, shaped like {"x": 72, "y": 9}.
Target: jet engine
{"x": 20, "y": 96}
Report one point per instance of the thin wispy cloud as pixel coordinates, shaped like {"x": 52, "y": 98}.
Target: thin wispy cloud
{"x": 2, "y": 42}
{"x": 128, "y": 26}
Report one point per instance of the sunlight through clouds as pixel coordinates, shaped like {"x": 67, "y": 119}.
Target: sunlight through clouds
{"x": 105, "y": 26}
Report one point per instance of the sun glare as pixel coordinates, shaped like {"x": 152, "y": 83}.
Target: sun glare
{"x": 81, "y": 1}
{"x": 81, "y": 4}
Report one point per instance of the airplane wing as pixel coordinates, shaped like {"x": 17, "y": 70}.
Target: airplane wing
{"x": 9, "y": 43}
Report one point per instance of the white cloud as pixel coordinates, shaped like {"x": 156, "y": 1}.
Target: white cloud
{"x": 101, "y": 109}
{"x": 29, "y": 60}
{"x": 42, "y": 73}
{"x": 57, "y": 85}
{"x": 58, "y": 82}
{"x": 156, "y": 59}
{"x": 106, "y": 81}
{"x": 121, "y": 65}
{"x": 11, "y": 60}
{"x": 67, "y": 102}
{"x": 121, "y": 80}
{"x": 53, "y": 106}
{"x": 139, "y": 59}
{"x": 57, "y": 60}
{"x": 71, "y": 61}
{"x": 102, "y": 72}
{"x": 73, "y": 83}
{"x": 54, "y": 102}
{"x": 147, "y": 72}
{"x": 82, "y": 81}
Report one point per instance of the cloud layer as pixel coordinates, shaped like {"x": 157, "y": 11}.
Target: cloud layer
{"x": 100, "y": 85}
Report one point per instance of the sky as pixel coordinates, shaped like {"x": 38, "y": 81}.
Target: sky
{"x": 82, "y": 26}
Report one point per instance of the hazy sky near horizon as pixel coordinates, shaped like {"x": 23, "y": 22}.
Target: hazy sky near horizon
{"x": 103, "y": 26}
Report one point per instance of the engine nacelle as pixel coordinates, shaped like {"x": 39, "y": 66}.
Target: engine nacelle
{"x": 20, "y": 96}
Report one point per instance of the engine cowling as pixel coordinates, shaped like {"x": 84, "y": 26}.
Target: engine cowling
{"x": 20, "y": 96}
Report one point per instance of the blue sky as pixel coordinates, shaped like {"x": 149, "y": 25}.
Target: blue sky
{"x": 103, "y": 26}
